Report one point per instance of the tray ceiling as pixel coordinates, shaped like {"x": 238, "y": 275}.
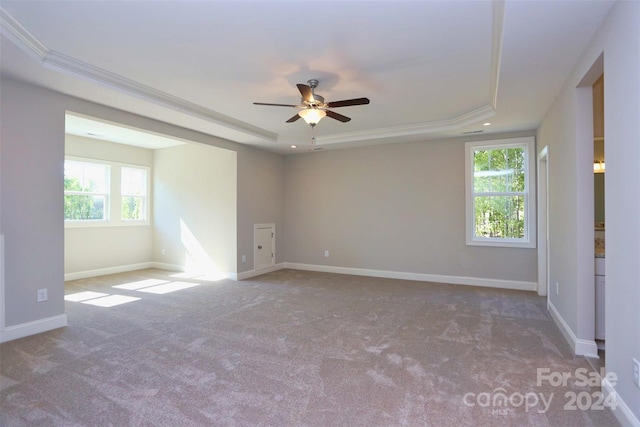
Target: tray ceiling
{"x": 433, "y": 69}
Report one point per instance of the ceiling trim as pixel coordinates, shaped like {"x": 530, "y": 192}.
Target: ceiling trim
{"x": 60, "y": 62}
{"x": 21, "y": 36}
{"x": 31, "y": 45}
{"x": 462, "y": 120}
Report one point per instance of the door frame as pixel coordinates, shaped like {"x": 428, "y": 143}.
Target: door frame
{"x": 543, "y": 223}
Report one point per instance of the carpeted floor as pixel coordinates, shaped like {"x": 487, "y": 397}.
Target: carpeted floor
{"x": 293, "y": 348}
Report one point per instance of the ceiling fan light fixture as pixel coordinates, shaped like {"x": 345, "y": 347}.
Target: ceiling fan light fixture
{"x": 312, "y": 115}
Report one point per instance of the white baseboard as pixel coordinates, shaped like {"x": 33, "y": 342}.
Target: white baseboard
{"x": 622, "y": 412}
{"x": 252, "y": 273}
{"x": 31, "y": 328}
{"x": 580, "y": 346}
{"x": 161, "y": 266}
{"x": 165, "y": 266}
{"x": 109, "y": 270}
{"x": 437, "y": 278}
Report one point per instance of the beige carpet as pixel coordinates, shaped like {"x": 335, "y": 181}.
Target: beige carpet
{"x": 292, "y": 348}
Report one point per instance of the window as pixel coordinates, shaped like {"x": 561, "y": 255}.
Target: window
{"x": 500, "y": 193}
{"x": 133, "y": 188}
{"x": 86, "y": 191}
{"x": 103, "y": 193}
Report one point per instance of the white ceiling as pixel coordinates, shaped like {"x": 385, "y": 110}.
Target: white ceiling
{"x": 432, "y": 69}
{"x": 90, "y": 127}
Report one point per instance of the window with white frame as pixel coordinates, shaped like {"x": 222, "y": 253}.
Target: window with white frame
{"x": 133, "y": 189}
{"x": 500, "y": 192}
{"x": 86, "y": 191}
{"x": 104, "y": 193}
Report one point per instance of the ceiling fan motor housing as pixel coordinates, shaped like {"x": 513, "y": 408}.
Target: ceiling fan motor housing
{"x": 318, "y": 101}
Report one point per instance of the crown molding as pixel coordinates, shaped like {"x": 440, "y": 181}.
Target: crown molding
{"x": 28, "y": 43}
{"x": 462, "y": 120}
{"x": 21, "y": 37}
{"x": 51, "y": 59}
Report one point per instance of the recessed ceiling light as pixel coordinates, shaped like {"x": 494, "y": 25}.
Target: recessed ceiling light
{"x": 294, "y": 146}
{"x": 486, "y": 124}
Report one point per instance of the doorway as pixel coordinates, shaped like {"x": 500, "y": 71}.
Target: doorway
{"x": 585, "y": 218}
{"x": 599, "y": 170}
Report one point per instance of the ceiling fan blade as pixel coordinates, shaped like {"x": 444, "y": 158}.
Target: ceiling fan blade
{"x": 293, "y": 119}
{"x": 274, "y": 105}
{"x": 348, "y": 102}
{"x": 337, "y": 116}
{"x": 306, "y": 92}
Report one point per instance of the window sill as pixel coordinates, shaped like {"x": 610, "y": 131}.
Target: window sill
{"x": 105, "y": 224}
{"x": 499, "y": 244}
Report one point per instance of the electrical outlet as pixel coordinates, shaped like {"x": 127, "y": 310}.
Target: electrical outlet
{"x": 244, "y": 258}
{"x": 326, "y": 253}
{"x": 162, "y": 250}
{"x": 42, "y": 295}
{"x": 557, "y": 289}
{"x": 636, "y": 372}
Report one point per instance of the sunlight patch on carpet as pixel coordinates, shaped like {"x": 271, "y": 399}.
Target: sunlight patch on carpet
{"x": 111, "y": 300}
{"x": 133, "y": 286}
{"x": 169, "y": 287}
{"x": 83, "y": 296}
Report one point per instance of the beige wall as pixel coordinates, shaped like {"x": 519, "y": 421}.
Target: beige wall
{"x": 99, "y": 248}
{"x": 31, "y": 207}
{"x": 598, "y": 194}
{"x": 194, "y": 200}
{"x": 571, "y": 196}
{"x": 260, "y": 201}
{"x": 31, "y": 202}
{"x": 396, "y": 208}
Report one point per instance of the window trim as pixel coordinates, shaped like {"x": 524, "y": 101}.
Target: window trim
{"x": 146, "y": 196}
{"x": 107, "y": 195}
{"x": 113, "y": 212}
{"x": 529, "y": 241}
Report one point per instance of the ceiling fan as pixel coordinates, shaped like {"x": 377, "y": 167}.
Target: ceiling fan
{"x": 313, "y": 108}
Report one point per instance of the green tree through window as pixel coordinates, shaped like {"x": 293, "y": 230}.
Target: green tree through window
{"x": 85, "y": 192}
{"x": 500, "y": 209}
{"x": 134, "y": 191}
{"x": 498, "y": 187}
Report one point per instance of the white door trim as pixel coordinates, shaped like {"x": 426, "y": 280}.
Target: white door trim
{"x": 543, "y": 223}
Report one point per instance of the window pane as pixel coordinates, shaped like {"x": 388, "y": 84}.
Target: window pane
{"x": 133, "y": 207}
{"x": 73, "y": 173}
{"x": 499, "y": 216}
{"x": 87, "y": 177}
{"x": 499, "y": 170}
{"x": 134, "y": 182}
{"x": 83, "y": 207}
{"x": 95, "y": 178}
